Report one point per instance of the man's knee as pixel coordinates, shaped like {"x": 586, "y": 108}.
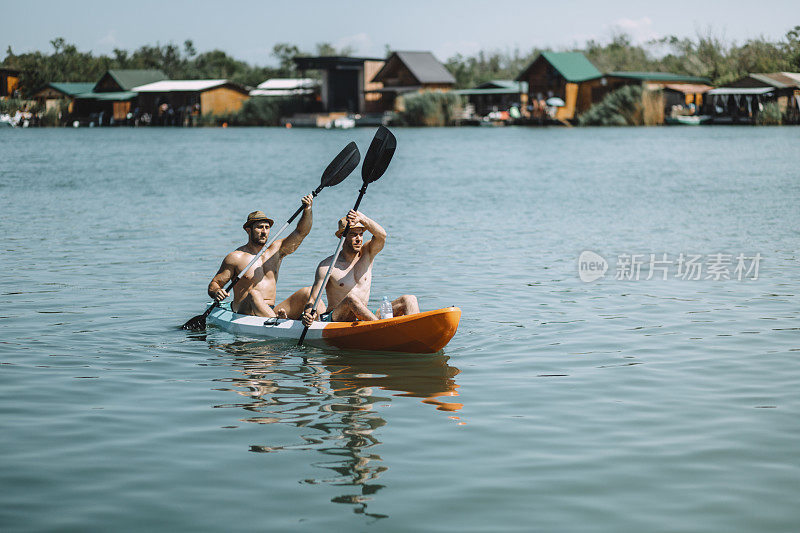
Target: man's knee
{"x": 408, "y": 304}
{"x": 304, "y": 293}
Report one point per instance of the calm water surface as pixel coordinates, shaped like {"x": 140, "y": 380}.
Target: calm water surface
{"x": 612, "y": 406}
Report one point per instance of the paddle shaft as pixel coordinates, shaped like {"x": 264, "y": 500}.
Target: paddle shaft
{"x": 333, "y": 262}
{"x": 239, "y": 276}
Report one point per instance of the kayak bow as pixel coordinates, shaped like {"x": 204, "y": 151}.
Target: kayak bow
{"x": 425, "y": 332}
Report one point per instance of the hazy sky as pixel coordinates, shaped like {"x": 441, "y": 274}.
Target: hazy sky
{"x": 248, "y": 29}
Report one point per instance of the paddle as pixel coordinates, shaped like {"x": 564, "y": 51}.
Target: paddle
{"x": 341, "y": 167}
{"x": 376, "y": 161}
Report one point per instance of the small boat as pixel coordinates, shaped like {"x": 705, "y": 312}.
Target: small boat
{"x": 426, "y": 332}
{"x": 688, "y": 120}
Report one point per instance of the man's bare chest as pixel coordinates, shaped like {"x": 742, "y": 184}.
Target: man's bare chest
{"x": 350, "y": 275}
{"x": 261, "y": 270}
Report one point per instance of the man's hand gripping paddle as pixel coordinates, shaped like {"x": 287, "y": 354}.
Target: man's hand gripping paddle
{"x": 341, "y": 167}
{"x": 376, "y": 161}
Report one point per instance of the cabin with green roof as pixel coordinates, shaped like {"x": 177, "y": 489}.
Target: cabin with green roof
{"x": 111, "y": 99}
{"x": 562, "y": 85}
{"x": 56, "y": 92}
{"x": 558, "y": 75}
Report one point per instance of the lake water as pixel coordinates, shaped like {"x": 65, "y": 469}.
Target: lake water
{"x": 619, "y": 405}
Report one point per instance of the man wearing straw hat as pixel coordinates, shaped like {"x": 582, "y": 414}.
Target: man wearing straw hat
{"x": 351, "y": 277}
{"x": 254, "y": 294}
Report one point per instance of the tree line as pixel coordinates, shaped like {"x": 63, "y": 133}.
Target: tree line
{"x": 706, "y": 55}
{"x": 703, "y": 55}
{"x": 66, "y": 63}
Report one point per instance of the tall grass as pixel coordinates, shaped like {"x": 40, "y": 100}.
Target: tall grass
{"x": 771, "y": 115}
{"x": 622, "y": 107}
{"x": 431, "y": 108}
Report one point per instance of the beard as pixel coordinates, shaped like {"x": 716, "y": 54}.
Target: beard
{"x": 258, "y": 240}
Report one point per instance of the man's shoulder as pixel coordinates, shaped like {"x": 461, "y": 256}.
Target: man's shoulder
{"x": 239, "y": 254}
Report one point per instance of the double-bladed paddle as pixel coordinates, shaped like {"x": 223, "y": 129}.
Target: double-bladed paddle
{"x": 341, "y": 167}
{"x": 380, "y": 153}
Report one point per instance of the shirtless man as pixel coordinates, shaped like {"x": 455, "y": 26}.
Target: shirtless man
{"x": 351, "y": 277}
{"x": 254, "y": 294}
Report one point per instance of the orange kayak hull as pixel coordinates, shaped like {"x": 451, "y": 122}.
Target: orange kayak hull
{"x": 425, "y": 332}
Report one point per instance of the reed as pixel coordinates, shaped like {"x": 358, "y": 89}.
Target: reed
{"x": 622, "y": 107}
{"x": 771, "y": 115}
{"x": 431, "y": 108}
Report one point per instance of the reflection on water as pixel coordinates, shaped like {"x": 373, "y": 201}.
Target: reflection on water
{"x": 333, "y": 399}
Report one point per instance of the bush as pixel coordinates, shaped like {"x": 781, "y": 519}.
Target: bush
{"x": 431, "y": 108}
{"x": 256, "y": 111}
{"x": 9, "y": 106}
{"x": 770, "y": 116}
{"x": 622, "y": 107}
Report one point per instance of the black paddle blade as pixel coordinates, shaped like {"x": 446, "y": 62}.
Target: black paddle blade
{"x": 379, "y": 155}
{"x": 195, "y": 323}
{"x": 341, "y": 167}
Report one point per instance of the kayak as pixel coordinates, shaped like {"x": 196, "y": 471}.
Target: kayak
{"x": 425, "y": 332}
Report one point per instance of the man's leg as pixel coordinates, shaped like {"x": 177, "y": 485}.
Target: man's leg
{"x": 294, "y": 304}
{"x": 405, "y": 305}
{"x": 352, "y": 309}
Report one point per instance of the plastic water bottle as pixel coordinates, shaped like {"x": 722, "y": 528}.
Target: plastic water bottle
{"x": 386, "y": 308}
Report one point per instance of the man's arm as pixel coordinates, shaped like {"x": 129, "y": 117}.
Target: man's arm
{"x": 308, "y": 310}
{"x": 378, "y": 239}
{"x": 292, "y": 242}
{"x": 225, "y": 273}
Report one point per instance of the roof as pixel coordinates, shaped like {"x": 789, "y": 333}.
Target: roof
{"x": 779, "y": 80}
{"x": 281, "y": 92}
{"x": 741, "y": 90}
{"x": 128, "y": 79}
{"x": 658, "y": 76}
{"x": 275, "y": 84}
{"x": 688, "y": 88}
{"x": 422, "y": 65}
{"x": 110, "y": 96}
{"x": 498, "y": 84}
{"x": 497, "y": 87}
{"x": 396, "y": 89}
{"x": 178, "y": 86}
{"x": 72, "y": 88}
{"x": 332, "y": 62}
{"x": 794, "y": 76}
{"x": 573, "y": 66}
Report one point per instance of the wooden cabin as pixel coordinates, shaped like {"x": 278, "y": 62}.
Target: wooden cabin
{"x": 495, "y": 95}
{"x": 407, "y": 72}
{"x": 178, "y": 102}
{"x": 345, "y": 82}
{"x": 56, "y": 92}
{"x": 682, "y": 99}
{"x": 563, "y": 75}
{"x": 112, "y": 99}
{"x": 742, "y": 100}
{"x": 9, "y": 82}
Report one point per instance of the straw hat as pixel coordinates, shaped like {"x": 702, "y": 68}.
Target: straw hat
{"x": 343, "y": 224}
{"x": 256, "y": 216}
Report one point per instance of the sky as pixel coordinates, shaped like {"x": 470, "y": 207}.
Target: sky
{"x": 248, "y": 29}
